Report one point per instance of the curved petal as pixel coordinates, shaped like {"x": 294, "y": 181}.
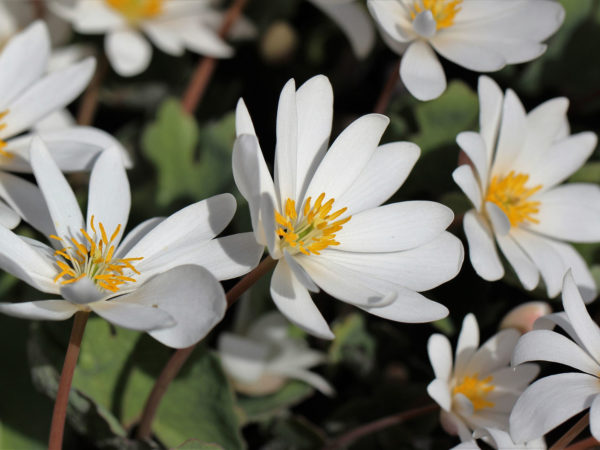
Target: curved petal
{"x": 464, "y": 177}
{"x": 549, "y": 402}
{"x": 440, "y": 356}
{"x": 243, "y": 359}
{"x": 295, "y": 303}
{"x": 579, "y": 269}
{"x": 468, "y": 341}
{"x": 8, "y": 217}
{"x": 286, "y": 151}
{"x": 482, "y": 247}
{"x": 40, "y": 310}
{"x": 495, "y": 353}
{"x": 498, "y": 218}
{"x": 474, "y": 147}
{"x": 421, "y": 72}
{"x": 438, "y": 390}
{"x": 392, "y": 18}
{"x": 515, "y": 378}
{"x": 131, "y": 315}
{"x": 512, "y": 134}
{"x": 200, "y": 38}
{"x": 479, "y": 56}
{"x": 526, "y": 270}
{"x": 394, "y": 227}
{"x": 384, "y": 173}
{"x": 409, "y": 307}
{"x": 595, "y": 417}
{"x": 490, "y": 113}
{"x": 128, "y": 52}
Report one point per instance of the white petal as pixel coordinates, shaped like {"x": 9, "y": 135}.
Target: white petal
{"x": 550, "y": 321}
{"x": 409, "y": 307}
{"x": 164, "y": 37}
{"x": 499, "y": 219}
{"x": 388, "y": 16}
{"x": 549, "y": 402}
{"x": 579, "y": 269}
{"x": 109, "y": 197}
{"x": 90, "y": 17}
{"x": 464, "y": 177}
{"x": 513, "y": 132}
{"x": 438, "y": 390}
{"x": 299, "y": 273}
{"x": 131, "y": 315}
{"x": 243, "y": 359}
{"x": 468, "y": 341}
{"x": 243, "y": 121}
{"x": 54, "y": 91}
{"x": 394, "y": 227}
{"x": 23, "y": 61}
{"x": 490, "y": 107}
{"x": 440, "y": 356}
{"x": 128, "y": 52}
{"x": 382, "y": 176}
{"x": 8, "y": 217}
{"x": 421, "y": 72}
{"x": 515, "y": 378}
{"x": 40, "y": 310}
{"x": 62, "y": 204}
{"x": 545, "y": 345}
{"x": 190, "y": 295}
{"x": 286, "y": 160}
{"x": 354, "y": 22}
{"x": 347, "y": 157}
{"x": 135, "y": 235}
{"x": 314, "y": 102}
{"x": 482, "y": 247}
{"x": 474, "y": 147}
{"x": 584, "y": 326}
{"x": 310, "y": 378}
{"x": 595, "y": 417}
{"x": 478, "y": 56}
{"x": 523, "y": 266}
{"x": 201, "y": 39}
{"x": 81, "y": 292}
{"x": 295, "y": 303}
{"x": 570, "y": 212}
{"x": 424, "y": 24}
{"x": 494, "y": 353}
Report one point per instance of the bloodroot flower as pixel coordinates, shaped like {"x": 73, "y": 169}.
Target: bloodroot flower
{"x": 480, "y": 388}
{"x": 554, "y": 399}
{"x": 322, "y": 219}
{"x": 518, "y": 161}
{"x": 160, "y": 278}
{"x": 483, "y": 36}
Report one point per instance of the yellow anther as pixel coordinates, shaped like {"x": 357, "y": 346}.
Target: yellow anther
{"x": 443, "y": 11}
{"x": 511, "y": 195}
{"x": 476, "y": 391}
{"x": 3, "y": 143}
{"x": 136, "y": 10}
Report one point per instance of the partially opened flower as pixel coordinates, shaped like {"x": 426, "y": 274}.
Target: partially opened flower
{"x": 481, "y": 36}
{"x": 27, "y": 96}
{"x": 500, "y": 440}
{"x": 479, "y": 389}
{"x": 262, "y": 360}
{"x": 173, "y": 26}
{"x": 554, "y": 399}
{"x": 322, "y": 221}
{"x": 354, "y": 21}
{"x": 161, "y": 275}
{"x": 523, "y": 317}
{"x": 518, "y": 161}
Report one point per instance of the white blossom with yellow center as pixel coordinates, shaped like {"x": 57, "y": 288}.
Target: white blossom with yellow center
{"x": 321, "y": 217}
{"x": 162, "y": 278}
{"x": 171, "y": 25}
{"x": 481, "y": 36}
{"x": 517, "y": 162}
{"x": 28, "y": 96}
{"x": 478, "y": 389}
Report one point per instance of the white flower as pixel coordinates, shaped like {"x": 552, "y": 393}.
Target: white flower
{"x": 322, "y": 220}
{"x": 518, "y": 161}
{"x": 554, "y": 399}
{"x": 481, "y": 388}
{"x": 354, "y": 21}
{"x": 173, "y": 26}
{"x": 482, "y": 36}
{"x": 261, "y": 361}
{"x": 162, "y": 272}
{"x": 499, "y": 439}
{"x": 523, "y": 316}
{"x": 28, "y": 95}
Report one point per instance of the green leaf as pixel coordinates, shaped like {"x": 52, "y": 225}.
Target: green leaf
{"x": 353, "y": 344}
{"x": 590, "y": 173}
{"x": 442, "y": 119}
{"x": 170, "y": 143}
{"x": 262, "y": 408}
{"x": 196, "y": 444}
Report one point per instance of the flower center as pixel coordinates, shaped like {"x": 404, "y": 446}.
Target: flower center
{"x": 312, "y": 231}
{"x": 94, "y": 258}
{"x": 443, "y": 11}
{"x": 136, "y": 10}
{"x": 476, "y": 391}
{"x": 511, "y": 195}
{"x": 3, "y": 144}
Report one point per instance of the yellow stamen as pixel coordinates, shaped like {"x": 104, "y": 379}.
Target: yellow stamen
{"x": 136, "y": 10}
{"x": 511, "y": 195}
{"x": 315, "y": 230}
{"x": 443, "y": 11}
{"x": 3, "y": 144}
{"x": 94, "y": 258}
{"x": 476, "y": 391}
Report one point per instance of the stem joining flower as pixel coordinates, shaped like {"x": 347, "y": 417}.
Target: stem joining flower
{"x": 94, "y": 259}
{"x": 314, "y": 230}
{"x": 136, "y": 10}
{"x": 3, "y": 144}
{"x": 476, "y": 391}
{"x": 443, "y": 11}
{"x": 511, "y": 195}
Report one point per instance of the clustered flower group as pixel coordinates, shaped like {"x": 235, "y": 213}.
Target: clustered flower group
{"x": 321, "y": 215}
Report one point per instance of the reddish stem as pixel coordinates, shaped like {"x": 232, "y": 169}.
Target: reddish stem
{"x": 386, "y": 94}
{"x": 585, "y": 444}
{"x": 572, "y": 433}
{"x": 89, "y": 102}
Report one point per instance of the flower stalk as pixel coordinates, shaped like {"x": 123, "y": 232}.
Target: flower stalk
{"x": 572, "y": 433}
{"x": 89, "y": 102}
{"x": 179, "y": 358}
{"x": 386, "y": 93}
{"x": 66, "y": 377}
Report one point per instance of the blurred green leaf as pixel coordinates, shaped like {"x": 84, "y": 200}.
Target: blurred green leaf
{"x": 262, "y": 408}
{"x": 440, "y": 120}
{"x": 170, "y": 143}
{"x": 353, "y": 344}
{"x": 297, "y": 433}
{"x": 590, "y": 173}
{"x": 196, "y": 444}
